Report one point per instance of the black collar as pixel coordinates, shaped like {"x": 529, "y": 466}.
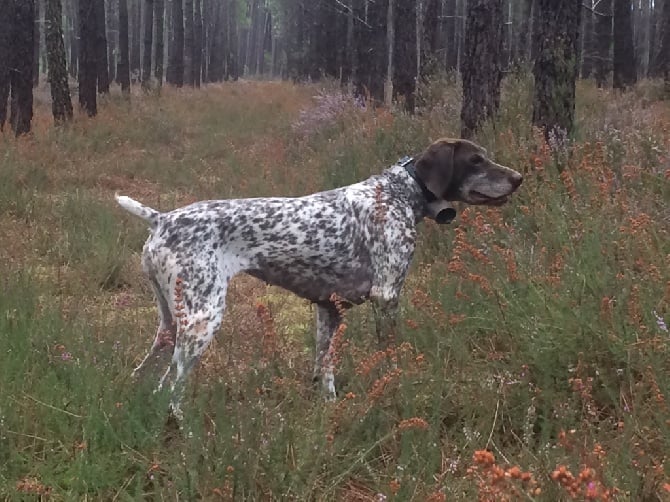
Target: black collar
{"x": 442, "y": 211}
{"x": 408, "y": 164}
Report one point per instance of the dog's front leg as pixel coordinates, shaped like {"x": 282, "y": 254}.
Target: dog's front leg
{"x": 385, "y": 308}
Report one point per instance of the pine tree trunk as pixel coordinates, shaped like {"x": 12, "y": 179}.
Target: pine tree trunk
{"x": 36, "y": 49}
{"x": 123, "y": 68}
{"x": 450, "y": 33}
{"x": 148, "y": 42}
{"x": 22, "y": 50}
{"x": 624, "y": 71}
{"x": 61, "y": 104}
{"x": 216, "y": 35}
{"x": 588, "y": 43}
{"x": 188, "y": 43}
{"x": 73, "y": 30}
{"x": 405, "y": 64}
{"x": 350, "y": 66}
{"x": 390, "y": 40}
{"x": 556, "y": 66}
{"x": 232, "y": 59}
{"x": 87, "y": 58}
{"x": 664, "y": 48}
{"x": 135, "y": 17}
{"x": 603, "y": 34}
{"x": 197, "y": 42}
{"x": 101, "y": 47}
{"x": 7, "y": 6}
{"x": 177, "y": 56}
{"x": 481, "y": 68}
{"x": 112, "y": 38}
{"x": 159, "y": 14}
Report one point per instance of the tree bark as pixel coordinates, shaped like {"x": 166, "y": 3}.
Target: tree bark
{"x": 404, "y": 80}
{"x": 390, "y": 40}
{"x": 188, "y": 43}
{"x": 481, "y": 68}
{"x": 36, "y": 49}
{"x": 588, "y": 49}
{"x": 22, "y": 51}
{"x": 664, "y": 49}
{"x": 112, "y": 37}
{"x": 101, "y": 47}
{"x": 197, "y": 42}
{"x": 556, "y": 65}
{"x": 603, "y": 29}
{"x": 61, "y": 103}
{"x": 73, "y": 30}
{"x": 7, "y": 6}
{"x": 177, "y": 57}
{"x": 159, "y": 15}
{"x": 135, "y": 14}
{"x": 148, "y": 43}
{"x": 625, "y": 71}
{"x": 451, "y": 56}
{"x": 232, "y": 59}
{"x": 87, "y": 58}
{"x": 123, "y": 68}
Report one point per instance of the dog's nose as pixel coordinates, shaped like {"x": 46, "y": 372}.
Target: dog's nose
{"x": 517, "y": 179}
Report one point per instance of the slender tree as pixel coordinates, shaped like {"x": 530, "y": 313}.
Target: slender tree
{"x": 390, "y": 41}
{"x": 36, "y": 39}
{"x": 101, "y": 47}
{"x": 588, "y": 50}
{"x": 123, "y": 67}
{"x": 148, "y": 42}
{"x": 603, "y": 35}
{"x": 451, "y": 54}
{"x": 664, "y": 49}
{"x": 87, "y": 58}
{"x": 135, "y": 19}
{"x": 159, "y": 14}
{"x": 72, "y": 17}
{"x": 188, "y": 43}
{"x": 405, "y": 52}
{"x": 232, "y": 66}
{"x": 176, "y": 63}
{"x": 481, "y": 68}
{"x": 112, "y": 19}
{"x": 22, "y": 51}
{"x": 197, "y": 42}
{"x": 625, "y": 71}
{"x": 6, "y": 6}
{"x": 556, "y": 66}
{"x": 61, "y": 104}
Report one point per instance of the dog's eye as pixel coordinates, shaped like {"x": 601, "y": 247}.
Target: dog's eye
{"x": 477, "y": 159}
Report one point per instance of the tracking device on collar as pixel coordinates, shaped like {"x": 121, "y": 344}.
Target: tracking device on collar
{"x": 442, "y": 211}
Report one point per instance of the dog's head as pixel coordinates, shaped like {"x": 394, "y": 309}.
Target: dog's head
{"x": 460, "y": 170}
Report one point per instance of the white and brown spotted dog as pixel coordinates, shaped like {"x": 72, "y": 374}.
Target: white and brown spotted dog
{"x": 355, "y": 242}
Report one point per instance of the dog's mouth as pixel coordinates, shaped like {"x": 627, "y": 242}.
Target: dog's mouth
{"x": 486, "y": 200}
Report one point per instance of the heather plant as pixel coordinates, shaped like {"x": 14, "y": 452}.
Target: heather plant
{"x": 532, "y": 356}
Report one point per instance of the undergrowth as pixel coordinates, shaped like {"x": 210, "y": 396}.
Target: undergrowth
{"x": 533, "y": 361}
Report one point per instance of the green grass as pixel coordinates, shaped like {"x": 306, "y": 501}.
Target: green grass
{"x": 530, "y": 331}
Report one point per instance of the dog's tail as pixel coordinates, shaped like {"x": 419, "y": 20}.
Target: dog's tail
{"x": 134, "y": 207}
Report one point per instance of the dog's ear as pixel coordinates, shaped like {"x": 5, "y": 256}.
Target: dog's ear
{"x": 435, "y": 166}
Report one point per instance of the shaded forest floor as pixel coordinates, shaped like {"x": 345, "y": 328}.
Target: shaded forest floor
{"x": 536, "y": 358}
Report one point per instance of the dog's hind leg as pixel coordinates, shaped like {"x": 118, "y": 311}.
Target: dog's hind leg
{"x": 165, "y": 336}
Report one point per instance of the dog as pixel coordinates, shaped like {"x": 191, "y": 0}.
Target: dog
{"x": 355, "y": 242}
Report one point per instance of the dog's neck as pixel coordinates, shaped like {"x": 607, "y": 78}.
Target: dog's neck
{"x": 441, "y": 211}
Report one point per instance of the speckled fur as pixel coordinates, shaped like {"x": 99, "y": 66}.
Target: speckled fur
{"x": 356, "y": 241}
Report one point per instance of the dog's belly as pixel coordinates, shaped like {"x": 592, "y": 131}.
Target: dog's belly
{"x": 317, "y": 283}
